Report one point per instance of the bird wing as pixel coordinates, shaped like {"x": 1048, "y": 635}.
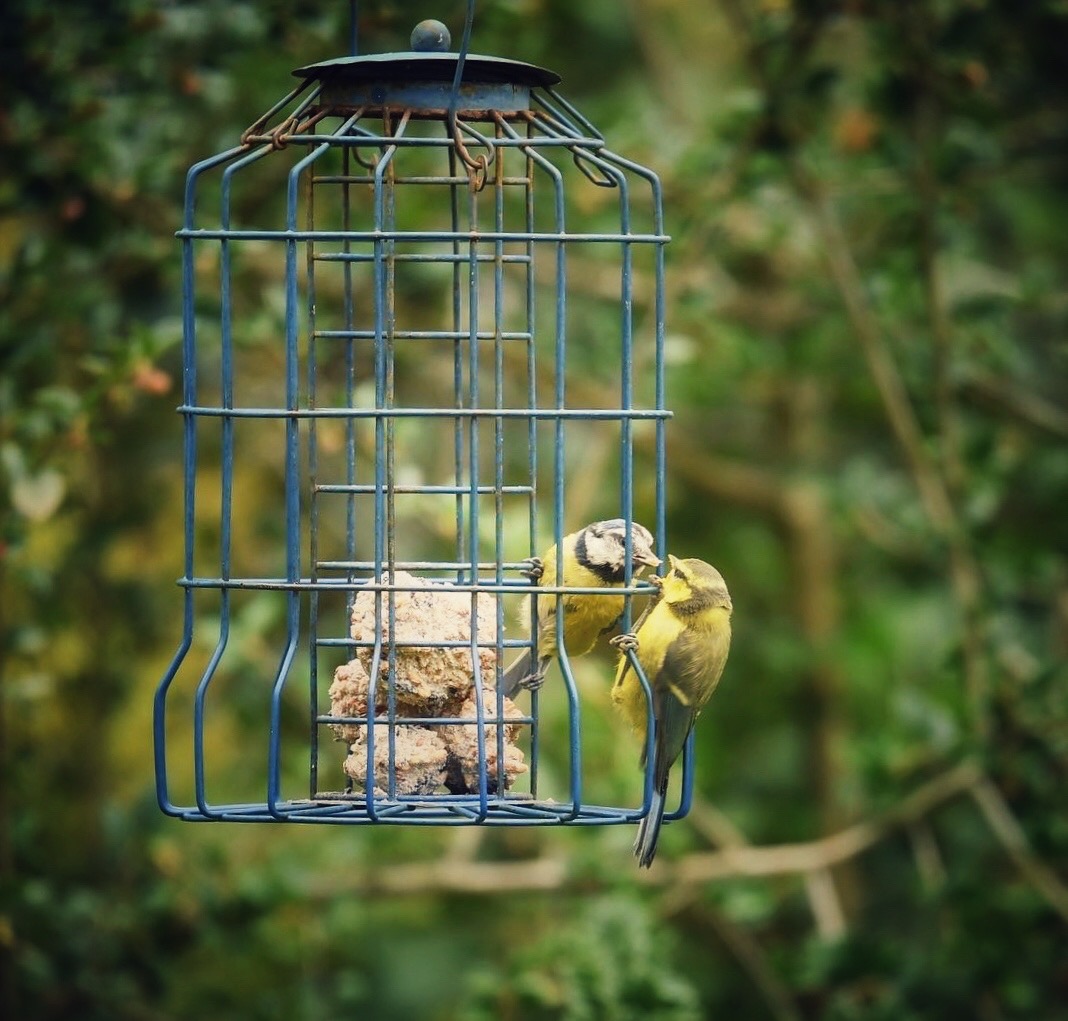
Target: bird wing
{"x": 683, "y": 685}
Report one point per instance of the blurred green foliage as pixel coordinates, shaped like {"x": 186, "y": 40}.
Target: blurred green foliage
{"x": 853, "y": 190}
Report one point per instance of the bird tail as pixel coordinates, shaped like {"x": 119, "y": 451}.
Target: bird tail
{"x": 518, "y": 671}
{"x": 673, "y": 721}
{"x": 649, "y": 829}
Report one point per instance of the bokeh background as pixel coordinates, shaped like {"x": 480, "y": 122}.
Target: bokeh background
{"x": 867, "y": 364}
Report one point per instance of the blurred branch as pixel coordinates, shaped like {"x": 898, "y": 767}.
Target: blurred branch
{"x": 964, "y": 570}
{"x": 714, "y": 825}
{"x": 838, "y": 847}
{"x": 822, "y": 894}
{"x": 814, "y": 562}
{"x": 1007, "y": 830}
{"x": 884, "y": 372}
{"x": 464, "y": 845}
{"x": 825, "y": 903}
{"x": 925, "y": 853}
{"x": 1025, "y": 406}
{"x": 801, "y": 37}
{"x": 885, "y": 533}
{"x": 934, "y": 494}
{"x": 926, "y": 130}
{"x": 934, "y": 491}
{"x": 553, "y": 873}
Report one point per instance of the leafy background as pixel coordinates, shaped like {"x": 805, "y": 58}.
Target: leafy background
{"x": 868, "y": 369}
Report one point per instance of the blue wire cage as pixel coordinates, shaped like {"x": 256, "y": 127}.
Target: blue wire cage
{"x": 427, "y": 350}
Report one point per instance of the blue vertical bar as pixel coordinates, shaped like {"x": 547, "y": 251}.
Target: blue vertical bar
{"x": 189, "y": 398}
{"x": 473, "y": 480}
{"x": 226, "y": 486}
{"x": 457, "y": 365}
{"x": 609, "y": 163}
{"x": 313, "y": 489}
{"x": 382, "y": 327}
{"x": 532, "y": 437}
{"x": 626, "y": 453}
{"x": 292, "y": 481}
{"x": 313, "y": 458}
{"x": 560, "y": 358}
{"x": 559, "y": 503}
{"x": 348, "y": 310}
{"x": 498, "y": 440}
{"x": 348, "y": 314}
{"x": 226, "y": 479}
{"x": 389, "y": 211}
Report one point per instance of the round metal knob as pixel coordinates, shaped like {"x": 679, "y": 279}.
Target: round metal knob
{"x": 430, "y": 37}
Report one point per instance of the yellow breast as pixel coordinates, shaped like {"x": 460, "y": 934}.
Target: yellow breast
{"x": 655, "y": 636}
{"x": 705, "y": 642}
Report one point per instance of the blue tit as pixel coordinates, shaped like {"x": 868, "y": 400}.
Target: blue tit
{"x": 594, "y": 557}
{"x": 681, "y": 642}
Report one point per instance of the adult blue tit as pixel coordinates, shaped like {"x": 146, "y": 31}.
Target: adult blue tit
{"x": 593, "y": 557}
{"x": 681, "y": 642}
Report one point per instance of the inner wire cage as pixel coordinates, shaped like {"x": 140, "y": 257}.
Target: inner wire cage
{"x": 407, "y": 254}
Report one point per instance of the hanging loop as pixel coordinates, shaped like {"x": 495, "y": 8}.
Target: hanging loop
{"x": 477, "y": 166}
{"x": 590, "y": 170}
{"x": 256, "y": 128}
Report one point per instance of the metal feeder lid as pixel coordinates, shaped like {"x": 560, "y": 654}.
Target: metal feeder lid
{"x": 421, "y": 82}
{"x": 414, "y": 66}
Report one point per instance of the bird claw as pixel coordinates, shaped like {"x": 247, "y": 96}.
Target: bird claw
{"x": 626, "y": 642}
{"x": 535, "y": 568}
{"x": 532, "y": 682}
{"x": 656, "y": 581}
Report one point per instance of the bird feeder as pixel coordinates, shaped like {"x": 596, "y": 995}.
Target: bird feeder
{"x": 407, "y": 289}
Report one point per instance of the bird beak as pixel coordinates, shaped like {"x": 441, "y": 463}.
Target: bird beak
{"x": 672, "y": 561}
{"x": 649, "y": 559}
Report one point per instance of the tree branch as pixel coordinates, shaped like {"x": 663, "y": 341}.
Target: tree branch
{"x": 934, "y": 491}
{"x": 926, "y": 855}
{"x": 553, "y": 873}
{"x": 934, "y": 495}
{"x": 1025, "y": 406}
{"x": 1012, "y": 838}
{"x": 786, "y": 859}
{"x": 825, "y": 903}
{"x": 811, "y": 859}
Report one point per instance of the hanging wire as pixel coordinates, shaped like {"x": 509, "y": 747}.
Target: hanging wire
{"x": 478, "y": 166}
{"x": 461, "y": 58}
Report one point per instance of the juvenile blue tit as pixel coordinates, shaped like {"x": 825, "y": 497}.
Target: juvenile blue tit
{"x": 594, "y": 557}
{"x": 681, "y": 642}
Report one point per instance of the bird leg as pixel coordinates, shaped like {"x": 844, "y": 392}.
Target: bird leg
{"x": 627, "y": 642}
{"x": 535, "y": 568}
{"x": 536, "y": 678}
{"x": 533, "y": 681}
